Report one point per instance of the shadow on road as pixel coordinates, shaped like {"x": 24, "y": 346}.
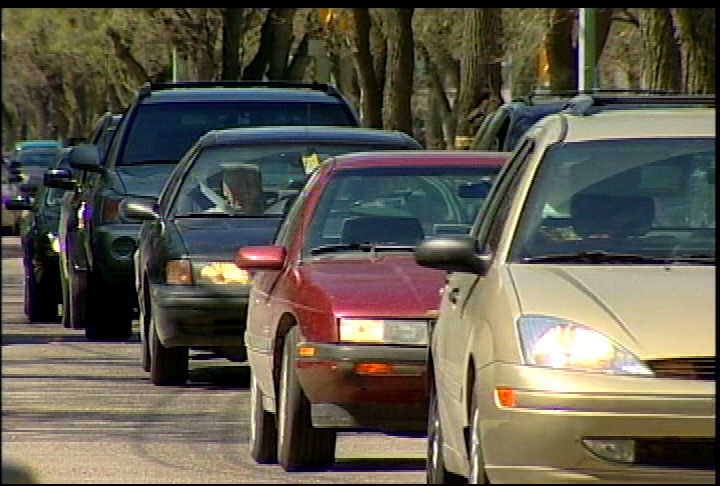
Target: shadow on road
{"x": 370, "y": 464}
{"x": 225, "y": 376}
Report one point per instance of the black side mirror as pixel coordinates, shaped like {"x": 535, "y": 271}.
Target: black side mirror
{"x": 85, "y": 157}
{"x": 19, "y": 203}
{"x": 136, "y": 208}
{"x": 59, "y": 179}
{"x": 457, "y": 253}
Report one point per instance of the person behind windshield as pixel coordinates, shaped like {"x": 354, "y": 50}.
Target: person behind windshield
{"x": 241, "y": 190}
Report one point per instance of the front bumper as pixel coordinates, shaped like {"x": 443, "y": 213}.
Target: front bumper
{"x": 200, "y": 315}
{"x": 540, "y": 438}
{"x": 365, "y": 386}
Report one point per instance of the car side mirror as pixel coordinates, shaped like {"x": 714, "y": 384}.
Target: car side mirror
{"x": 85, "y": 157}
{"x": 59, "y": 179}
{"x": 456, "y": 253}
{"x": 19, "y": 203}
{"x": 136, "y": 208}
{"x": 270, "y": 257}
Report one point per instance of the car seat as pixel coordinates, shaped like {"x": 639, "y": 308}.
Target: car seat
{"x": 614, "y": 217}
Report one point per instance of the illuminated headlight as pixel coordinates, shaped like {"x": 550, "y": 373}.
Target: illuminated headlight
{"x": 54, "y": 242}
{"x": 224, "y": 273}
{"x": 384, "y": 331}
{"x": 557, "y": 343}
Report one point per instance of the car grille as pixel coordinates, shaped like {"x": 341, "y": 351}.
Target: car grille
{"x": 677, "y": 453}
{"x": 684, "y": 368}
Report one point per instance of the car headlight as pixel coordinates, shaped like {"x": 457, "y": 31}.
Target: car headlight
{"x": 224, "y": 273}
{"x": 558, "y": 343}
{"x": 384, "y": 331}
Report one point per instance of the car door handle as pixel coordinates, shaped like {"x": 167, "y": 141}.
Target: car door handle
{"x": 453, "y": 295}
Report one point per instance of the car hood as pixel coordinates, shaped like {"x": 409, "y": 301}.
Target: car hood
{"x": 387, "y": 285}
{"x": 217, "y": 239}
{"x": 654, "y": 311}
{"x": 143, "y": 180}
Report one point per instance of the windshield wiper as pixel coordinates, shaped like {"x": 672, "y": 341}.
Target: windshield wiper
{"x": 371, "y": 247}
{"x": 221, "y": 214}
{"x": 596, "y": 257}
{"x": 151, "y": 161}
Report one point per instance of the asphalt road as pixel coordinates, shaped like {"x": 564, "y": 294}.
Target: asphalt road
{"x": 80, "y": 412}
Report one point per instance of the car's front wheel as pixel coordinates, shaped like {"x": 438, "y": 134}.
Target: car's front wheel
{"x": 477, "y": 473}
{"x": 263, "y": 430}
{"x": 435, "y": 463}
{"x": 102, "y": 321}
{"x": 168, "y": 366}
{"x": 300, "y": 445}
{"x": 38, "y": 306}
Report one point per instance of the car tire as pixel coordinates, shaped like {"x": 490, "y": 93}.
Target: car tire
{"x": 102, "y": 322}
{"x": 300, "y": 445}
{"x": 435, "y": 464}
{"x": 476, "y": 470}
{"x": 263, "y": 429}
{"x": 77, "y": 285}
{"x": 65, "y": 294}
{"x": 37, "y": 307}
{"x": 168, "y": 366}
{"x": 145, "y": 358}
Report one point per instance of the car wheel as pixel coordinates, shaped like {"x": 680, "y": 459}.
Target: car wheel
{"x": 476, "y": 473}
{"x": 263, "y": 430}
{"x": 168, "y": 366}
{"x": 300, "y": 445}
{"x": 435, "y": 463}
{"x": 144, "y": 341}
{"x": 35, "y": 301}
{"x": 77, "y": 285}
{"x": 102, "y": 322}
{"x": 65, "y": 294}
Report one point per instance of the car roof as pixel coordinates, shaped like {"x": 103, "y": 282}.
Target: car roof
{"x": 304, "y": 134}
{"x": 420, "y": 157}
{"x": 262, "y": 95}
{"x": 37, "y": 144}
{"x": 639, "y": 123}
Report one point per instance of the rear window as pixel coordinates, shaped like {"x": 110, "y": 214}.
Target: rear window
{"x": 166, "y": 131}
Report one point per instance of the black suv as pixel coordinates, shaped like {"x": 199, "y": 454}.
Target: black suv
{"x": 157, "y": 129}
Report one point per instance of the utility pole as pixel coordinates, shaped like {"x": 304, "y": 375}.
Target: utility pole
{"x": 587, "y": 49}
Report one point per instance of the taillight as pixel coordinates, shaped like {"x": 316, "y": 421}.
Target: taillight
{"x": 110, "y": 210}
{"x": 178, "y": 272}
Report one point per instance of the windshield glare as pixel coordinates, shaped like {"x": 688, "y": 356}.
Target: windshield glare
{"x": 166, "y": 131}
{"x": 652, "y": 197}
{"x": 398, "y": 205}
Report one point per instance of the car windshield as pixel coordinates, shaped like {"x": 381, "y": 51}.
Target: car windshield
{"x": 253, "y": 180}
{"x": 524, "y": 120}
{"x": 621, "y": 200}
{"x": 397, "y": 205}
{"x": 43, "y": 157}
{"x": 166, "y": 131}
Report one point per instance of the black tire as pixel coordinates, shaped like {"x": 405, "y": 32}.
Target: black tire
{"x": 65, "y": 294}
{"x": 435, "y": 470}
{"x": 102, "y": 321}
{"x": 38, "y": 307}
{"x": 144, "y": 341}
{"x": 476, "y": 460}
{"x": 168, "y": 366}
{"x": 300, "y": 445}
{"x": 77, "y": 285}
{"x": 263, "y": 429}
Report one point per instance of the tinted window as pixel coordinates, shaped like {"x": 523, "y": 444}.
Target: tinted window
{"x": 166, "y": 131}
{"x": 44, "y": 157}
{"x": 651, "y": 197}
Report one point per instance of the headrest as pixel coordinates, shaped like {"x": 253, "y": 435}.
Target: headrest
{"x": 382, "y": 229}
{"x": 611, "y": 215}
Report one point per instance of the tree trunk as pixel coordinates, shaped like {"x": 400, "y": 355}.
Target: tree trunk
{"x": 282, "y": 21}
{"x": 662, "y": 69}
{"x": 695, "y": 33}
{"x": 480, "y": 70}
{"x": 399, "y": 72}
{"x": 232, "y": 31}
{"x": 300, "y": 60}
{"x": 371, "y": 105}
{"x": 562, "y": 57}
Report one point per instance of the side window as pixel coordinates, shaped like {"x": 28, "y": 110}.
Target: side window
{"x": 489, "y": 229}
{"x": 170, "y": 188}
{"x": 291, "y": 221}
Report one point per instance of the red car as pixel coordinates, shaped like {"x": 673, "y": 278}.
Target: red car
{"x": 339, "y": 312}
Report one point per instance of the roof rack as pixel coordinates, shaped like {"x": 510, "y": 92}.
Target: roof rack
{"x": 147, "y": 88}
{"x": 575, "y": 92}
{"x": 587, "y": 103}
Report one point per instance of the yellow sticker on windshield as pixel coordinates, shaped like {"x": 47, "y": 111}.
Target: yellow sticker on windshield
{"x": 310, "y": 162}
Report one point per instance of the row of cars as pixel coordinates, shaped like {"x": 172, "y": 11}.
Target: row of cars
{"x": 375, "y": 286}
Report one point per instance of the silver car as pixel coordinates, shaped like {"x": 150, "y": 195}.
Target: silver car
{"x": 576, "y": 335}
